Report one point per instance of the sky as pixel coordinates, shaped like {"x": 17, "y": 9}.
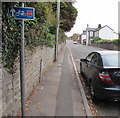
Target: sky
{"x": 94, "y": 12}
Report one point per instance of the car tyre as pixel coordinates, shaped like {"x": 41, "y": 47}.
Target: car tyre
{"x": 92, "y": 92}
{"x": 81, "y": 72}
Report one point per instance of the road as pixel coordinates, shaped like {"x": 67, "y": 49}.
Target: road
{"x": 104, "y": 108}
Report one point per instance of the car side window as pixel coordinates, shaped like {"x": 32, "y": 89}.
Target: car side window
{"x": 99, "y": 61}
{"x": 96, "y": 60}
{"x": 89, "y": 57}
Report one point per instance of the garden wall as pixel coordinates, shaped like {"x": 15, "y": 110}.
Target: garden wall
{"x": 36, "y": 64}
{"x": 109, "y": 46}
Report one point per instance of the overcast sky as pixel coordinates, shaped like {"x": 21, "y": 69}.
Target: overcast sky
{"x": 94, "y": 12}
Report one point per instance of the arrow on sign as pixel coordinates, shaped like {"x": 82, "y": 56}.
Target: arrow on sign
{"x": 12, "y": 12}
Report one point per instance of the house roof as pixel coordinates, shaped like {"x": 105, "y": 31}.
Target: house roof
{"x": 106, "y": 26}
{"x": 109, "y": 28}
{"x": 92, "y": 29}
{"x": 96, "y": 29}
{"x": 115, "y": 33}
{"x": 84, "y": 33}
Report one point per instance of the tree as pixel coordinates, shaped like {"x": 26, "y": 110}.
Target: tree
{"x": 41, "y": 31}
{"x": 75, "y": 36}
{"x": 68, "y": 14}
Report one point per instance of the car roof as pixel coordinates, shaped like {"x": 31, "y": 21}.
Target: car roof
{"x": 107, "y": 52}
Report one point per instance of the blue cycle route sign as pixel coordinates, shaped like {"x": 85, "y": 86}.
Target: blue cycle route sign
{"x": 23, "y": 13}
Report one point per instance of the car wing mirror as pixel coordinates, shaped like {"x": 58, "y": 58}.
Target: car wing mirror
{"x": 83, "y": 60}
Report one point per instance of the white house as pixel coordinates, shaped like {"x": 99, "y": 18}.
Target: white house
{"x": 104, "y": 32}
{"x": 107, "y": 33}
{"x": 83, "y": 36}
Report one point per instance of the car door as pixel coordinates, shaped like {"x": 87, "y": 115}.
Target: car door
{"x": 95, "y": 67}
{"x": 87, "y": 64}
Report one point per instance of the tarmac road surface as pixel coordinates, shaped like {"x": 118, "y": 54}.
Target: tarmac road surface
{"x": 104, "y": 108}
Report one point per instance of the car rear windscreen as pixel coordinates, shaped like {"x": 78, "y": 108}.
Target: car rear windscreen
{"x": 111, "y": 60}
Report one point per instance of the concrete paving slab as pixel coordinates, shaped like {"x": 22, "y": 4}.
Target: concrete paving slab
{"x": 57, "y": 94}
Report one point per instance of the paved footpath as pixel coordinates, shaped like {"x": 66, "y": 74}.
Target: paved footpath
{"x": 58, "y": 92}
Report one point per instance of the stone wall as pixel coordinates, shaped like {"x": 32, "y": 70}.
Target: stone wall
{"x": 109, "y": 46}
{"x": 36, "y": 64}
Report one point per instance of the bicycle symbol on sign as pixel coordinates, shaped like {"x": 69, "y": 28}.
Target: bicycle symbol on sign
{"x": 21, "y": 13}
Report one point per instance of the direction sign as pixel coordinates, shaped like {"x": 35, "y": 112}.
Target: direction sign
{"x": 22, "y": 13}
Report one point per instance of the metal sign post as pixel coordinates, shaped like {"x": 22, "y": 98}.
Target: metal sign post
{"x": 22, "y": 13}
{"x": 22, "y": 68}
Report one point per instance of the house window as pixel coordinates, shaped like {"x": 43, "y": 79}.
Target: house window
{"x": 96, "y": 33}
{"x": 91, "y": 33}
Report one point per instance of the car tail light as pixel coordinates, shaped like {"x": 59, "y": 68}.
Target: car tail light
{"x": 104, "y": 76}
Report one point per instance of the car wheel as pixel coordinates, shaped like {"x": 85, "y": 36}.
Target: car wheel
{"x": 92, "y": 92}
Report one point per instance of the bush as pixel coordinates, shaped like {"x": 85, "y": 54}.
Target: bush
{"x": 95, "y": 40}
{"x": 100, "y": 41}
{"x": 116, "y": 41}
{"x": 38, "y": 32}
{"x": 103, "y": 41}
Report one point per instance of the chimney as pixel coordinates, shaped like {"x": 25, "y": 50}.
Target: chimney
{"x": 87, "y": 25}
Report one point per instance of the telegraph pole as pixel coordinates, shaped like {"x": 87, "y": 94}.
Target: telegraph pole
{"x": 119, "y": 19}
{"x": 87, "y": 35}
{"x": 57, "y": 32}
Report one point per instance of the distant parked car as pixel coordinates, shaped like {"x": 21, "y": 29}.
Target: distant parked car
{"x": 84, "y": 41}
{"x": 75, "y": 42}
{"x": 102, "y": 71}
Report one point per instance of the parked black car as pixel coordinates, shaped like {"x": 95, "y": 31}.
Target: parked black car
{"x": 102, "y": 71}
